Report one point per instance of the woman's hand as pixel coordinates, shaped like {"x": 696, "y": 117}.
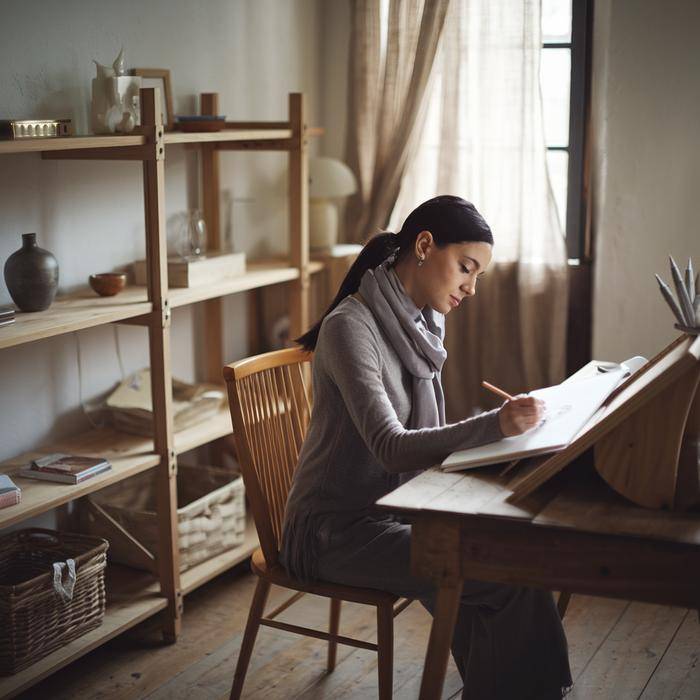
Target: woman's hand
{"x": 520, "y": 414}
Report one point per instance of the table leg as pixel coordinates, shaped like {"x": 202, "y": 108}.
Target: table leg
{"x": 444, "y": 618}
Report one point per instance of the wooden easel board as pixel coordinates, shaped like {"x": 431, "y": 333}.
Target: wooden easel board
{"x": 670, "y": 364}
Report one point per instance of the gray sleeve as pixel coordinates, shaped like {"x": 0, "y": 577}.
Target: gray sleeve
{"x": 353, "y": 362}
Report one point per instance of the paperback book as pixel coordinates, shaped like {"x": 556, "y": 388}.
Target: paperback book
{"x": 7, "y": 315}
{"x": 10, "y": 493}
{"x": 65, "y": 469}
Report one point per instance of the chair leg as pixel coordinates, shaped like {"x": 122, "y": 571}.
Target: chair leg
{"x": 385, "y": 644}
{"x": 563, "y": 603}
{"x": 333, "y": 627}
{"x": 251, "y": 630}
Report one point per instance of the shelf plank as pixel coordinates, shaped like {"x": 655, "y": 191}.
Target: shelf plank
{"x": 73, "y": 312}
{"x": 132, "y": 597}
{"x": 214, "y": 427}
{"x": 84, "y": 309}
{"x": 258, "y": 274}
{"x": 128, "y": 454}
{"x": 207, "y": 570}
{"x": 68, "y": 143}
{"x": 250, "y": 135}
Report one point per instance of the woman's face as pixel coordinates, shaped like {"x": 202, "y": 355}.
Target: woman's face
{"x": 449, "y": 274}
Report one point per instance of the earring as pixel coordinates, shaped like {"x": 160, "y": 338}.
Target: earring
{"x": 421, "y": 260}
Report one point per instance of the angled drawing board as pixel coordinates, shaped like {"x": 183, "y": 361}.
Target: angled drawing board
{"x": 646, "y": 436}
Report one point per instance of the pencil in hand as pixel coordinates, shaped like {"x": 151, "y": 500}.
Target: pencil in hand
{"x": 496, "y": 390}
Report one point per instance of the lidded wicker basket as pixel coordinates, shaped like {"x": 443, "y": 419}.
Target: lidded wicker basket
{"x": 43, "y": 606}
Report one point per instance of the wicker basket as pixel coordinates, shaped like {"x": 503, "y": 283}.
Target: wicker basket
{"x": 35, "y": 618}
{"x": 210, "y": 516}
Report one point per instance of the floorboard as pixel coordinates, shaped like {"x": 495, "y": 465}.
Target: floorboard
{"x": 617, "y": 650}
{"x": 626, "y": 660}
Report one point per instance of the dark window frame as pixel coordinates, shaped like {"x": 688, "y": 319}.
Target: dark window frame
{"x": 578, "y": 243}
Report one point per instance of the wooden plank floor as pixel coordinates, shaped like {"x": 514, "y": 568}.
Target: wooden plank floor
{"x": 618, "y": 650}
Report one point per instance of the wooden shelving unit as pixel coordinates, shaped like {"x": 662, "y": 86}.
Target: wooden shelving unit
{"x": 132, "y": 595}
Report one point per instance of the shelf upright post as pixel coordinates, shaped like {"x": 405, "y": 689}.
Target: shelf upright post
{"x": 299, "y": 216}
{"x": 213, "y": 312}
{"x": 159, "y": 348}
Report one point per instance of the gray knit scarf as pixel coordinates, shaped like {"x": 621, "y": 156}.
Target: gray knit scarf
{"x": 419, "y": 345}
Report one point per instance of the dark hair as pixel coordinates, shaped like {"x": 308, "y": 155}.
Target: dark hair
{"x": 449, "y": 219}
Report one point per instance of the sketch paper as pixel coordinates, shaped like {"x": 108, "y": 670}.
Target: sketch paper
{"x": 568, "y": 407}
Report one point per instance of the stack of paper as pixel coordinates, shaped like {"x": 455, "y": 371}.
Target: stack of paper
{"x": 131, "y": 405}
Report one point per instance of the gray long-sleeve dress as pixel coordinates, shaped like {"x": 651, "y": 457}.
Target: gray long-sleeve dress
{"x": 508, "y": 641}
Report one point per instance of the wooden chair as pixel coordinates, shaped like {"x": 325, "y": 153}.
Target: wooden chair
{"x": 270, "y": 409}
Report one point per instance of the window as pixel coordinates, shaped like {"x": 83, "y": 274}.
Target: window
{"x": 563, "y": 84}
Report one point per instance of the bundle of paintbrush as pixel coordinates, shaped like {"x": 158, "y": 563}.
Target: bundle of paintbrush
{"x": 686, "y": 308}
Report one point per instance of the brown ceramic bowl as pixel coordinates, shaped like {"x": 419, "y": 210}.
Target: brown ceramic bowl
{"x": 107, "y": 284}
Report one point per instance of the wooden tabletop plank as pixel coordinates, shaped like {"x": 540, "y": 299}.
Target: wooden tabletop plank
{"x": 475, "y": 492}
{"x": 584, "y": 503}
{"x": 590, "y": 505}
{"x": 525, "y": 509}
{"x": 466, "y": 496}
{"x": 415, "y": 494}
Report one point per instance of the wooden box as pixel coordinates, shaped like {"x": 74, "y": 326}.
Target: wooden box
{"x": 196, "y": 272}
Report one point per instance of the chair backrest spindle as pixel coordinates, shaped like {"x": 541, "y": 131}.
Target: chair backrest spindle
{"x": 270, "y": 409}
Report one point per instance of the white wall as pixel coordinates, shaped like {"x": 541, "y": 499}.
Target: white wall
{"x": 90, "y": 215}
{"x": 646, "y": 166}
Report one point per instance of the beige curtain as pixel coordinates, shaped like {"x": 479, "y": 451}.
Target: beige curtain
{"x": 483, "y": 139}
{"x": 387, "y": 91}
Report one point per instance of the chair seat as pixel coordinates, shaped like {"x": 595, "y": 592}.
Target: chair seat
{"x": 278, "y": 575}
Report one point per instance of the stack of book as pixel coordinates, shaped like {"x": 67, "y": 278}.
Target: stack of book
{"x": 10, "y": 493}
{"x": 7, "y": 315}
{"x": 66, "y": 469}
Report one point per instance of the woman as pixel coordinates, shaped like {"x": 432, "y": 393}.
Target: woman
{"x": 379, "y": 417}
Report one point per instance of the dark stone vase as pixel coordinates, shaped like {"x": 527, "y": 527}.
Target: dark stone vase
{"x": 31, "y": 275}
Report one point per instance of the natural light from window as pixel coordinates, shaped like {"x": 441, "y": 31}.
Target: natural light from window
{"x": 555, "y": 82}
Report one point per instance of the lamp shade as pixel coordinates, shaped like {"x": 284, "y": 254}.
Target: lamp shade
{"x": 329, "y": 177}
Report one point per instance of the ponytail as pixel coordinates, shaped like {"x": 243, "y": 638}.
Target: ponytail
{"x": 374, "y": 253}
{"x": 449, "y": 219}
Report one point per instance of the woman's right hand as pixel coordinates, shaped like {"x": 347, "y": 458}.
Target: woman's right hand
{"x": 520, "y": 414}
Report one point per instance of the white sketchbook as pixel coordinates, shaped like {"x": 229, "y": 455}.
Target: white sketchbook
{"x": 569, "y": 406}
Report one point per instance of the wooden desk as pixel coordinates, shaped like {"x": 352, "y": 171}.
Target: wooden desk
{"x": 574, "y": 534}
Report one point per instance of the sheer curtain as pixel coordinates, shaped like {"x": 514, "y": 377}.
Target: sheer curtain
{"x": 483, "y": 139}
{"x": 391, "y": 59}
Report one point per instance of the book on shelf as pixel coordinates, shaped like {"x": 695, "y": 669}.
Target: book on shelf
{"x": 194, "y": 272}
{"x": 7, "y": 315}
{"x": 10, "y": 493}
{"x": 568, "y": 408}
{"x": 65, "y": 469}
